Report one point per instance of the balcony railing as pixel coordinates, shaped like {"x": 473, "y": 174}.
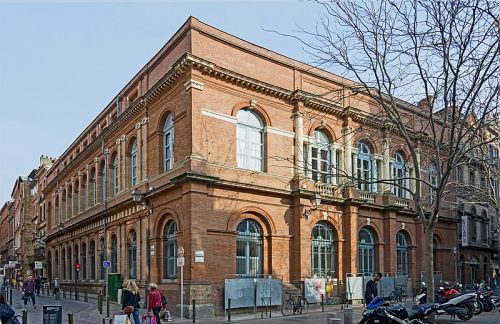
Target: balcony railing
{"x": 401, "y": 202}
{"x": 327, "y": 190}
{"x": 368, "y": 196}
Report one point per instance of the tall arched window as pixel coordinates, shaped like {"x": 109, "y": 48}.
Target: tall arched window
{"x": 103, "y": 181}
{"x": 323, "y": 251}
{"x": 364, "y": 167}
{"x": 321, "y": 158}
{"x": 93, "y": 268}
{"x": 101, "y": 259}
{"x": 76, "y": 259}
{"x": 170, "y": 235}
{"x": 57, "y": 265}
{"x": 402, "y": 255}
{"x": 250, "y": 140}
{"x": 168, "y": 143}
{"x": 69, "y": 264}
{"x": 63, "y": 258}
{"x": 400, "y": 176}
{"x": 114, "y": 169}
{"x": 366, "y": 251}
{"x": 474, "y": 267}
{"x": 249, "y": 249}
{"x": 84, "y": 194}
{"x": 133, "y": 162}
{"x": 114, "y": 254}
{"x": 50, "y": 263}
{"x": 84, "y": 261}
{"x": 132, "y": 254}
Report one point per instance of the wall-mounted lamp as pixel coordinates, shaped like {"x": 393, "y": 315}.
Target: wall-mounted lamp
{"x": 140, "y": 198}
{"x": 316, "y": 202}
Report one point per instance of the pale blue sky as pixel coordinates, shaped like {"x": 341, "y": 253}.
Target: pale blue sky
{"x": 62, "y": 62}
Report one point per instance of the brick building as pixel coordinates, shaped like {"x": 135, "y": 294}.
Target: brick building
{"x": 228, "y": 143}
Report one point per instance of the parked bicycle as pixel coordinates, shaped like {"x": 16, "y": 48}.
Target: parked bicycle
{"x": 399, "y": 294}
{"x": 294, "y": 304}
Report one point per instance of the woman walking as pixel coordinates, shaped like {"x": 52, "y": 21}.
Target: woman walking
{"x": 131, "y": 299}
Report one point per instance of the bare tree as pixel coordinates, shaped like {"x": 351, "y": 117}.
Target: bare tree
{"x": 443, "y": 51}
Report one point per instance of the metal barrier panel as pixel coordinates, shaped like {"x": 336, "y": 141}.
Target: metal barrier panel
{"x": 314, "y": 288}
{"x": 240, "y": 291}
{"x": 403, "y": 280}
{"x": 386, "y": 286}
{"x": 355, "y": 287}
{"x": 269, "y": 288}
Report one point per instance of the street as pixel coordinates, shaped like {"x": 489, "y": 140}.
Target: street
{"x": 87, "y": 313}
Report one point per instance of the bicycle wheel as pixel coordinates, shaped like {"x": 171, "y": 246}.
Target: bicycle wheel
{"x": 287, "y": 307}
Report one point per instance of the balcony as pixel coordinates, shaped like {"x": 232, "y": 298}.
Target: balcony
{"x": 367, "y": 196}
{"x": 401, "y": 202}
{"x": 328, "y": 190}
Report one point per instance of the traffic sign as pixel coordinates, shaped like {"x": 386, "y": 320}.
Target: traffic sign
{"x": 180, "y": 251}
{"x": 180, "y": 261}
{"x": 106, "y": 264}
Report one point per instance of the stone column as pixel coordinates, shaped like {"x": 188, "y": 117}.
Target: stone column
{"x": 144, "y": 152}
{"x": 138, "y": 127}
{"x": 348, "y": 138}
{"x": 298, "y": 124}
{"x": 386, "y": 172}
{"x": 119, "y": 153}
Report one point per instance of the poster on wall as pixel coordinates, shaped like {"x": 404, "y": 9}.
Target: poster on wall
{"x": 465, "y": 230}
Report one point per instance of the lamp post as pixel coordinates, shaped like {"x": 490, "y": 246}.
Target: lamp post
{"x": 141, "y": 199}
{"x": 315, "y": 202}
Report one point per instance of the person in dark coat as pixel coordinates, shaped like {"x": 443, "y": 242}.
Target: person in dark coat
{"x": 371, "y": 287}
{"x": 131, "y": 297}
{"x": 29, "y": 290}
{"x": 7, "y": 314}
{"x": 38, "y": 285}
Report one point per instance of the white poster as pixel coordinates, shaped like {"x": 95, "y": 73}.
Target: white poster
{"x": 465, "y": 230}
{"x": 38, "y": 265}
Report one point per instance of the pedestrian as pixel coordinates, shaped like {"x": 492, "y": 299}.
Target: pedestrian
{"x": 56, "y": 286}
{"x": 7, "y": 314}
{"x": 131, "y": 299}
{"x": 156, "y": 301}
{"x": 38, "y": 285}
{"x": 371, "y": 287}
{"x": 29, "y": 290}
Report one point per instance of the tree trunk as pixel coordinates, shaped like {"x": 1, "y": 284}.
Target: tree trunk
{"x": 429, "y": 264}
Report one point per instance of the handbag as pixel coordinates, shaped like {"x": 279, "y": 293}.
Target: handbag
{"x": 149, "y": 319}
{"x": 130, "y": 309}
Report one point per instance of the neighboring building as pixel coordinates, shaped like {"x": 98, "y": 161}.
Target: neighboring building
{"x": 478, "y": 200}
{"x": 39, "y": 219}
{"x": 4, "y": 235}
{"x": 23, "y": 228}
{"x": 228, "y": 146}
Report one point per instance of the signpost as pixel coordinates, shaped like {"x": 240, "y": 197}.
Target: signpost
{"x": 77, "y": 271}
{"x": 180, "y": 263}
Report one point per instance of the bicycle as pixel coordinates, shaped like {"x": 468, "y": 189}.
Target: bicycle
{"x": 294, "y": 303}
{"x": 398, "y": 294}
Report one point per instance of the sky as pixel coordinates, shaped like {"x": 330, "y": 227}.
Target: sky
{"x": 62, "y": 62}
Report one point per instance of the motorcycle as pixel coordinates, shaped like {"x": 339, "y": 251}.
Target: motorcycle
{"x": 381, "y": 311}
{"x": 460, "y": 305}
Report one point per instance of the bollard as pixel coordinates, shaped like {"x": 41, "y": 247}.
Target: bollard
{"x": 229, "y": 310}
{"x": 10, "y": 297}
{"x": 103, "y": 320}
{"x": 58, "y": 295}
{"x": 70, "y": 318}
{"x": 347, "y": 315}
{"x": 330, "y": 317}
{"x": 107, "y": 307}
{"x": 99, "y": 303}
{"x": 86, "y": 295}
{"x": 322, "y": 304}
{"x": 194, "y": 311}
{"x": 70, "y": 293}
{"x": 25, "y": 316}
{"x": 64, "y": 293}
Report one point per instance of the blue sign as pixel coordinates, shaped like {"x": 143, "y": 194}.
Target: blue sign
{"x": 106, "y": 264}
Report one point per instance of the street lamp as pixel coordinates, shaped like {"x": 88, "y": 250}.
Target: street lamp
{"x": 316, "y": 202}
{"x": 141, "y": 199}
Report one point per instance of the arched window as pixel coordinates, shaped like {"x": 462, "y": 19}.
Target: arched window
{"x": 473, "y": 225}
{"x": 114, "y": 169}
{"x": 170, "y": 235}
{"x": 402, "y": 254}
{"x": 63, "y": 258}
{"x": 101, "y": 259}
{"x": 57, "y": 265}
{"x": 168, "y": 143}
{"x": 250, "y": 140}
{"x": 364, "y": 167}
{"x": 76, "y": 198}
{"x": 400, "y": 176}
{"x": 69, "y": 264}
{"x": 249, "y": 249}
{"x": 366, "y": 251}
{"x": 323, "y": 251}
{"x": 50, "y": 262}
{"x": 132, "y": 254}
{"x": 84, "y": 261}
{"x": 76, "y": 258}
{"x": 103, "y": 186}
{"x": 114, "y": 254}
{"x": 93, "y": 268}
{"x": 474, "y": 267}
{"x": 321, "y": 158}
{"x": 133, "y": 162}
